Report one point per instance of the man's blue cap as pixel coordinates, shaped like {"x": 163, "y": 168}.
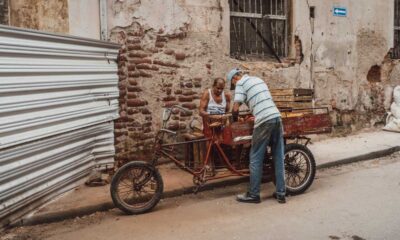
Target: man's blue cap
{"x": 232, "y": 73}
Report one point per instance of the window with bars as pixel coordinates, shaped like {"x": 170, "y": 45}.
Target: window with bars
{"x": 396, "y": 43}
{"x": 258, "y": 28}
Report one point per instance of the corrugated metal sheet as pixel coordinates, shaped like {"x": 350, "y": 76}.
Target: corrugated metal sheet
{"x": 58, "y": 98}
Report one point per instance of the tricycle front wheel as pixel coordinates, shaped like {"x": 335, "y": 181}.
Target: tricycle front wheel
{"x": 136, "y": 187}
{"x": 299, "y": 168}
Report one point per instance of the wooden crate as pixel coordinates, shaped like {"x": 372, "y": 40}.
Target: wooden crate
{"x": 292, "y": 98}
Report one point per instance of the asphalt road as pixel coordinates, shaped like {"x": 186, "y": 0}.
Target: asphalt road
{"x": 357, "y": 201}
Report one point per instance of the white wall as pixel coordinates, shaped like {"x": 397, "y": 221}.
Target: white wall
{"x": 84, "y": 18}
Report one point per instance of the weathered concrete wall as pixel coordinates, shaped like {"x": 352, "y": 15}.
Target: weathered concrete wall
{"x": 44, "y": 15}
{"x": 84, "y": 18}
{"x": 172, "y": 49}
{"x": 340, "y": 51}
{"x": 4, "y": 12}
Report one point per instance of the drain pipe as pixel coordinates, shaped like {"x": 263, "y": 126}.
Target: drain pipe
{"x": 103, "y": 20}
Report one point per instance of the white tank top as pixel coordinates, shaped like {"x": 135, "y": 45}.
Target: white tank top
{"x": 214, "y": 107}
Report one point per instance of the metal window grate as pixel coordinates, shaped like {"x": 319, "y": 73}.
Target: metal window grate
{"x": 396, "y": 43}
{"x": 252, "y": 22}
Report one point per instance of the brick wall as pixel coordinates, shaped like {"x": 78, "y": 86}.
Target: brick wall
{"x": 151, "y": 76}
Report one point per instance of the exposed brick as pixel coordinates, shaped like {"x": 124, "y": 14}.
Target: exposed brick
{"x": 169, "y": 98}
{"x": 137, "y": 55}
{"x": 167, "y": 85}
{"x": 145, "y": 111}
{"x": 154, "y": 50}
{"x": 185, "y": 99}
{"x": 132, "y": 111}
{"x": 122, "y": 58}
{"x": 190, "y": 106}
{"x": 189, "y": 85}
{"x": 147, "y": 124}
{"x": 166, "y": 64}
{"x": 118, "y": 125}
{"x": 161, "y": 39}
{"x": 174, "y": 126}
{"x": 208, "y": 66}
{"x": 147, "y": 67}
{"x": 134, "y": 89}
{"x": 122, "y": 93}
{"x": 148, "y": 118}
{"x": 122, "y": 50}
{"x": 122, "y": 84}
{"x": 175, "y": 117}
{"x": 160, "y": 44}
{"x": 170, "y": 104}
{"x": 182, "y": 126}
{"x": 132, "y": 96}
{"x": 131, "y": 68}
{"x": 169, "y": 51}
{"x": 134, "y": 124}
{"x": 172, "y": 72}
{"x": 145, "y": 74}
{"x": 132, "y": 40}
{"x": 135, "y": 102}
{"x": 119, "y": 133}
{"x": 132, "y": 82}
{"x": 132, "y": 47}
{"x": 147, "y": 130}
{"x": 178, "y": 91}
{"x": 140, "y": 60}
{"x": 168, "y": 91}
{"x": 197, "y": 84}
{"x": 186, "y": 113}
{"x": 144, "y": 136}
{"x": 134, "y": 74}
{"x": 188, "y": 92}
{"x": 180, "y": 56}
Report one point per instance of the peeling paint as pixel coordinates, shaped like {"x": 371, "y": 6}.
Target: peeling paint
{"x": 51, "y": 16}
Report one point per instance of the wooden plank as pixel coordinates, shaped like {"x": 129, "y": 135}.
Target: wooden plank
{"x": 293, "y": 104}
{"x": 292, "y": 98}
{"x": 291, "y": 91}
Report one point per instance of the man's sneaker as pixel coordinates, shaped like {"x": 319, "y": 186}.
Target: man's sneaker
{"x": 248, "y": 198}
{"x": 279, "y": 198}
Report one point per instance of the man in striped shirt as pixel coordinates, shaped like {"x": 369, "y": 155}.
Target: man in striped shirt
{"x": 268, "y": 130}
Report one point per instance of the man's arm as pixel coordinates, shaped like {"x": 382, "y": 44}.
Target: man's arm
{"x": 228, "y": 101}
{"x": 204, "y": 103}
{"x": 235, "y": 111}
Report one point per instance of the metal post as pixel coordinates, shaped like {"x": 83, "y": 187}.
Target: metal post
{"x": 103, "y": 20}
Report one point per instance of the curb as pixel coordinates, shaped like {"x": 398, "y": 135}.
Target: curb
{"x": 105, "y": 206}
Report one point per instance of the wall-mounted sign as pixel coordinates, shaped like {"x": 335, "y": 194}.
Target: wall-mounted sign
{"x": 340, "y": 11}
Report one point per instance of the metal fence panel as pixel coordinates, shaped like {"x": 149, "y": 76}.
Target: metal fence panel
{"x": 58, "y": 98}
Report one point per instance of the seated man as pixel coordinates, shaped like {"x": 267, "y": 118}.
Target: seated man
{"x": 215, "y": 101}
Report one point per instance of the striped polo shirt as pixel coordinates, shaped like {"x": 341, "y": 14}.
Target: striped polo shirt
{"x": 255, "y": 93}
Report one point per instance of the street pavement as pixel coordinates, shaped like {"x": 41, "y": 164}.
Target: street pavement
{"x": 328, "y": 152}
{"x": 355, "y": 201}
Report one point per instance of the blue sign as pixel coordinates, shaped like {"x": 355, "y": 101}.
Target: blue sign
{"x": 339, "y": 11}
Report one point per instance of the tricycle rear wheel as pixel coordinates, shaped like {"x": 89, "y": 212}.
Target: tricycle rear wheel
{"x": 299, "y": 168}
{"x": 136, "y": 187}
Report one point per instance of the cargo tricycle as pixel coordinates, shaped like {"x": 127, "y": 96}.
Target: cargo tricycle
{"x": 221, "y": 150}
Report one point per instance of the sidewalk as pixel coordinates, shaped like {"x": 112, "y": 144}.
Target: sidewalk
{"x": 330, "y": 152}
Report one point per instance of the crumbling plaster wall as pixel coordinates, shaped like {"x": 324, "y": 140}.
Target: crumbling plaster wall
{"x": 50, "y": 16}
{"x": 74, "y": 17}
{"x": 339, "y": 53}
{"x": 173, "y": 49}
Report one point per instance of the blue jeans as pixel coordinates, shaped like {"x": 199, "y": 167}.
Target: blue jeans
{"x": 268, "y": 133}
